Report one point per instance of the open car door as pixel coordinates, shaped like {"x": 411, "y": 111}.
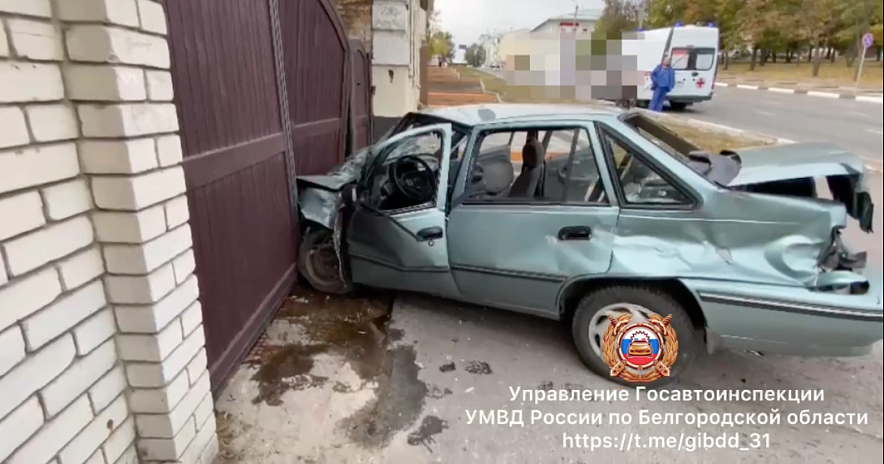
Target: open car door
{"x": 396, "y": 237}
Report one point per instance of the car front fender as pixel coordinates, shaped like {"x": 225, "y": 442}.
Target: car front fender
{"x": 319, "y": 206}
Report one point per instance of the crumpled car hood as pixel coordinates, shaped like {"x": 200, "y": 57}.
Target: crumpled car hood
{"x": 341, "y": 175}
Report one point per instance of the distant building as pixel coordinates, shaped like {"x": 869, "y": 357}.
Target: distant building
{"x": 490, "y": 43}
{"x": 583, "y": 22}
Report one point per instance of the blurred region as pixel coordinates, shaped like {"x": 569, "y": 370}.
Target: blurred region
{"x": 572, "y": 64}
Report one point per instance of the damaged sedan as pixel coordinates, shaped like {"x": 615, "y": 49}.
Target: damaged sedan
{"x": 581, "y": 214}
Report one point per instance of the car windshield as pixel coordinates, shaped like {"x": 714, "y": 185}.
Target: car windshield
{"x": 416, "y": 121}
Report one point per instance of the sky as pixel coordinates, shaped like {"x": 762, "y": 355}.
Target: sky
{"x": 466, "y": 20}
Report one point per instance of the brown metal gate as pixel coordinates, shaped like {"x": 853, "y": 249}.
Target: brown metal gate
{"x": 316, "y": 56}
{"x": 239, "y": 164}
{"x": 361, "y": 98}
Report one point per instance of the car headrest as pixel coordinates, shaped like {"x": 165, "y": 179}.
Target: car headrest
{"x": 532, "y": 154}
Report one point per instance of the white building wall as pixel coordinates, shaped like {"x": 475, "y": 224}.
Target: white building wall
{"x": 399, "y": 29}
{"x": 101, "y": 337}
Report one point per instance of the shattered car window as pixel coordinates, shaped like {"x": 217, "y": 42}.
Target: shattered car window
{"x": 640, "y": 184}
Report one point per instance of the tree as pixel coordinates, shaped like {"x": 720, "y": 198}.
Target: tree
{"x": 618, "y": 17}
{"x": 442, "y": 45}
{"x": 857, "y": 18}
{"x": 815, "y": 22}
{"x": 475, "y": 55}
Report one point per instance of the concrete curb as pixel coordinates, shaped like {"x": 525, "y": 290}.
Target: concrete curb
{"x": 810, "y": 93}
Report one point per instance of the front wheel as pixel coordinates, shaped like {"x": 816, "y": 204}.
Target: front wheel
{"x": 591, "y": 322}
{"x": 318, "y": 263}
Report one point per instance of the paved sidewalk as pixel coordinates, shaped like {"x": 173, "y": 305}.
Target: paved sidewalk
{"x": 447, "y": 88}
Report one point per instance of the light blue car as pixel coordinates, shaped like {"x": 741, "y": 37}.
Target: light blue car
{"x": 603, "y": 213}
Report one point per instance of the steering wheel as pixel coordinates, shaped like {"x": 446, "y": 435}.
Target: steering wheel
{"x": 417, "y": 184}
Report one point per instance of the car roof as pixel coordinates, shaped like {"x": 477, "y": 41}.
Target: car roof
{"x": 477, "y": 115}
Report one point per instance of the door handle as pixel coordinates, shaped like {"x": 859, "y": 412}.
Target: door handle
{"x": 575, "y": 233}
{"x": 430, "y": 233}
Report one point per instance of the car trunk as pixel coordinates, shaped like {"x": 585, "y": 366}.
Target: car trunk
{"x": 792, "y": 170}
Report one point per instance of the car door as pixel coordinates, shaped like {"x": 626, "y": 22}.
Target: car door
{"x": 404, "y": 248}
{"x": 519, "y": 252}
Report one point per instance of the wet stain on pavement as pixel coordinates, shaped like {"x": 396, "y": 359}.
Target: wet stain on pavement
{"x": 400, "y": 399}
{"x": 425, "y": 434}
{"x": 287, "y": 369}
{"x": 450, "y": 367}
{"x": 478, "y": 368}
{"x": 352, "y": 327}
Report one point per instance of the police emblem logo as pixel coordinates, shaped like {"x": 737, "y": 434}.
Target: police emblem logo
{"x": 640, "y": 352}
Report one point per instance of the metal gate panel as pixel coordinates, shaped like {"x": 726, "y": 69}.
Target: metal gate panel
{"x": 236, "y": 168}
{"x": 316, "y": 55}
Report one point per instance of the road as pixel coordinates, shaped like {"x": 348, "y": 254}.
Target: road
{"x": 856, "y": 126}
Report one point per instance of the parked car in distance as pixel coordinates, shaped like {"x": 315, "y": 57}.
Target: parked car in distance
{"x": 607, "y": 213}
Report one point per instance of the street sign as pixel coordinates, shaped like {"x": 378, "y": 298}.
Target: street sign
{"x": 868, "y": 40}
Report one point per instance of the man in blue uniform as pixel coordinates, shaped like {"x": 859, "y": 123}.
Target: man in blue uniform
{"x": 662, "y": 82}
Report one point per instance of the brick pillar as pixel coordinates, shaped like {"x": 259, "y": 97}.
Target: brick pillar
{"x": 117, "y": 77}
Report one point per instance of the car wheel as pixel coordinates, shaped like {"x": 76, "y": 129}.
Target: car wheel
{"x": 678, "y": 106}
{"x": 591, "y": 322}
{"x": 318, "y": 263}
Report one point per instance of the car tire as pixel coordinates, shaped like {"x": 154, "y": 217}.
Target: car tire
{"x": 314, "y": 263}
{"x": 590, "y": 309}
{"x": 678, "y": 106}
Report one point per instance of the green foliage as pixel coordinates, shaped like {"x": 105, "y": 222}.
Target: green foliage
{"x": 619, "y": 16}
{"x": 442, "y": 44}
{"x": 774, "y": 25}
{"x": 475, "y": 55}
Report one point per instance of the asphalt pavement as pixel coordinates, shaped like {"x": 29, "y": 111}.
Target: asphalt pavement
{"x": 856, "y": 126}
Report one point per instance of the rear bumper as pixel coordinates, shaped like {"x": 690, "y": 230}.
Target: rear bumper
{"x": 689, "y": 99}
{"x": 791, "y": 320}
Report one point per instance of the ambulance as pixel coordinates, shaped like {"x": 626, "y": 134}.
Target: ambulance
{"x": 694, "y": 53}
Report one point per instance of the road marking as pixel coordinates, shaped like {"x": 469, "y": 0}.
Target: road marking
{"x": 824, "y": 94}
{"x": 765, "y": 113}
{"x": 866, "y": 99}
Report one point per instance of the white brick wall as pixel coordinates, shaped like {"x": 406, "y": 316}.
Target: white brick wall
{"x": 34, "y": 40}
{"x": 102, "y": 44}
{"x": 131, "y": 156}
{"x": 50, "y": 123}
{"x": 100, "y": 328}
{"x": 30, "y": 82}
{"x": 105, "y": 83}
{"x": 37, "y": 165}
{"x": 15, "y": 130}
{"x": 122, "y": 12}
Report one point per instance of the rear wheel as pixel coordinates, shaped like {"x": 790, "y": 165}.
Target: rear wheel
{"x": 591, "y": 322}
{"x": 676, "y": 106}
{"x": 319, "y": 265}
